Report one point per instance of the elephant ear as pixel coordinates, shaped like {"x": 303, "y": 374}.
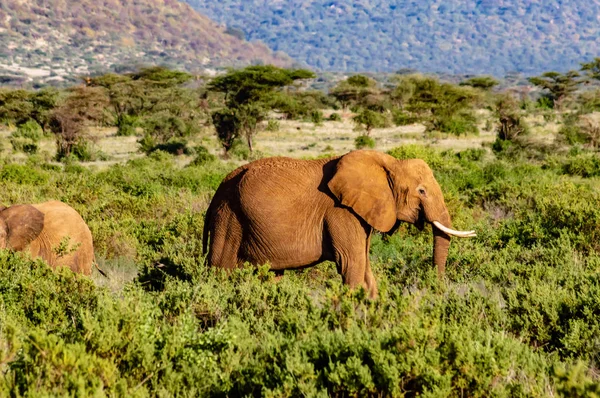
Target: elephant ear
{"x": 24, "y": 223}
{"x": 361, "y": 183}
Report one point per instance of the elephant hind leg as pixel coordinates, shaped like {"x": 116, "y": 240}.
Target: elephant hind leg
{"x": 226, "y": 238}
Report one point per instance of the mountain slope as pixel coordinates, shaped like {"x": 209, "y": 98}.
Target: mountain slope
{"x": 63, "y": 37}
{"x": 452, "y": 36}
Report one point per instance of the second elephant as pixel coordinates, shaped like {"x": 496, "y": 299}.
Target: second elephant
{"x": 51, "y": 230}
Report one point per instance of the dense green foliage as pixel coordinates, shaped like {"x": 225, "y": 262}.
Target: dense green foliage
{"x": 249, "y": 94}
{"x": 518, "y": 314}
{"x": 432, "y": 36}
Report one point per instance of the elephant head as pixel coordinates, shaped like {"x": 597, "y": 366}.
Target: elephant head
{"x": 19, "y": 225}
{"x": 383, "y": 190}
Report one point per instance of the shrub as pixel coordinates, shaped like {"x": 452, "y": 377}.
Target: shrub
{"x": 458, "y": 124}
{"x": 23, "y": 174}
{"x": 581, "y": 129}
{"x": 572, "y": 134}
{"x": 585, "y": 165}
{"x": 402, "y": 118}
{"x": 510, "y": 122}
{"x": 203, "y": 156}
{"x": 26, "y": 137}
{"x": 126, "y": 125}
{"x": 545, "y": 102}
{"x": 335, "y": 117}
{"x": 471, "y": 154}
{"x": 272, "y": 125}
{"x": 316, "y": 117}
{"x": 26, "y": 145}
{"x": 433, "y": 158}
{"x": 367, "y": 120}
{"x": 164, "y": 127}
{"x": 364, "y": 141}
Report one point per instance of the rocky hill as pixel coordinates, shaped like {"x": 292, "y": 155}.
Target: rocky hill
{"x": 56, "y": 40}
{"x": 449, "y": 36}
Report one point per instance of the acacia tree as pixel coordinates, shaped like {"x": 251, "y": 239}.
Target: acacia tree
{"x": 247, "y": 94}
{"x": 368, "y": 120}
{"x": 592, "y": 68}
{"x": 144, "y": 93}
{"x": 443, "y": 106}
{"x": 84, "y": 106}
{"x": 355, "y": 88}
{"x": 15, "y": 106}
{"x": 559, "y": 85}
{"x": 42, "y": 104}
{"x": 485, "y": 83}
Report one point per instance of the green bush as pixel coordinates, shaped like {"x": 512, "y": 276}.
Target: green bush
{"x": 586, "y": 165}
{"x": 23, "y": 174}
{"x": 432, "y": 157}
{"x": 402, "y": 118}
{"x": 83, "y": 151}
{"x": 26, "y": 137}
{"x": 25, "y": 145}
{"x": 364, "y": 141}
{"x": 572, "y": 134}
{"x": 457, "y": 124}
{"x": 545, "y": 102}
{"x": 471, "y": 154}
{"x": 316, "y": 117}
{"x": 126, "y": 125}
{"x": 335, "y": 117}
{"x": 272, "y": 125}
{"x": 203, "y": 156}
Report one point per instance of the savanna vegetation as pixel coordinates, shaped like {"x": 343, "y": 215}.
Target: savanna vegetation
{"x": 517, "y": 315}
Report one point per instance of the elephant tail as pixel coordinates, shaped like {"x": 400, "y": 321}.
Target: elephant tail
{"x": 99, "y": 269}
{"x": 206, "y": 232}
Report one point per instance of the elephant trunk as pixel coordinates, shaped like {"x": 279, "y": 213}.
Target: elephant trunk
{"x": 441, "y": 244}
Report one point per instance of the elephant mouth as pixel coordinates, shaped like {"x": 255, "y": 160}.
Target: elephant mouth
{"x": 420, "y": 223}
{"x": 453, "y": 232}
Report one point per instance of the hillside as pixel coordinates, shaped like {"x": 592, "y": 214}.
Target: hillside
{"x": 449, "y": 36}
{"x": 59, "y": 39}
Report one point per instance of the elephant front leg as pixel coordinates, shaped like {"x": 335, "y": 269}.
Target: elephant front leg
{"x": 356, "y": 271}
{"x": 350, "y": 241}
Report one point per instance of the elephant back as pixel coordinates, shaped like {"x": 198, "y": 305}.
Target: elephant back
{"x": 66, "y": 239}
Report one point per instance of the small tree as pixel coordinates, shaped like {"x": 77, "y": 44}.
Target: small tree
{"x": 352, "y": 90}
{"x": 15, "y": 106}
{"x": 42, "y": 104}
{"x": 510, "y": 123}
{"x": 559, "y": 86}
{"x": 592, "y": 68}
{"x": 482, "y": 82}
{"x": 161, "y": 129}
{"x": 248, "y": 93}
{"x": 227, "y": 126}
{"x": 443, "y": 106}
{"x": 367, "y": 120}
{"x": 84, "y": 106}
{"x": 142, "y": 94}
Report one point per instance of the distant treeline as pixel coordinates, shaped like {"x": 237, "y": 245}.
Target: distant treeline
{"x": 166, "y": 107}
{"x": 448, "y": 36}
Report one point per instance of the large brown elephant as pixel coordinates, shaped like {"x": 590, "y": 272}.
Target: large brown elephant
{"x": 296, "y": 213}
{"x": 51, "y": 230}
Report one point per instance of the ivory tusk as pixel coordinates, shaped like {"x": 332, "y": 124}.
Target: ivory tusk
{"x": 459, "y": 234}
